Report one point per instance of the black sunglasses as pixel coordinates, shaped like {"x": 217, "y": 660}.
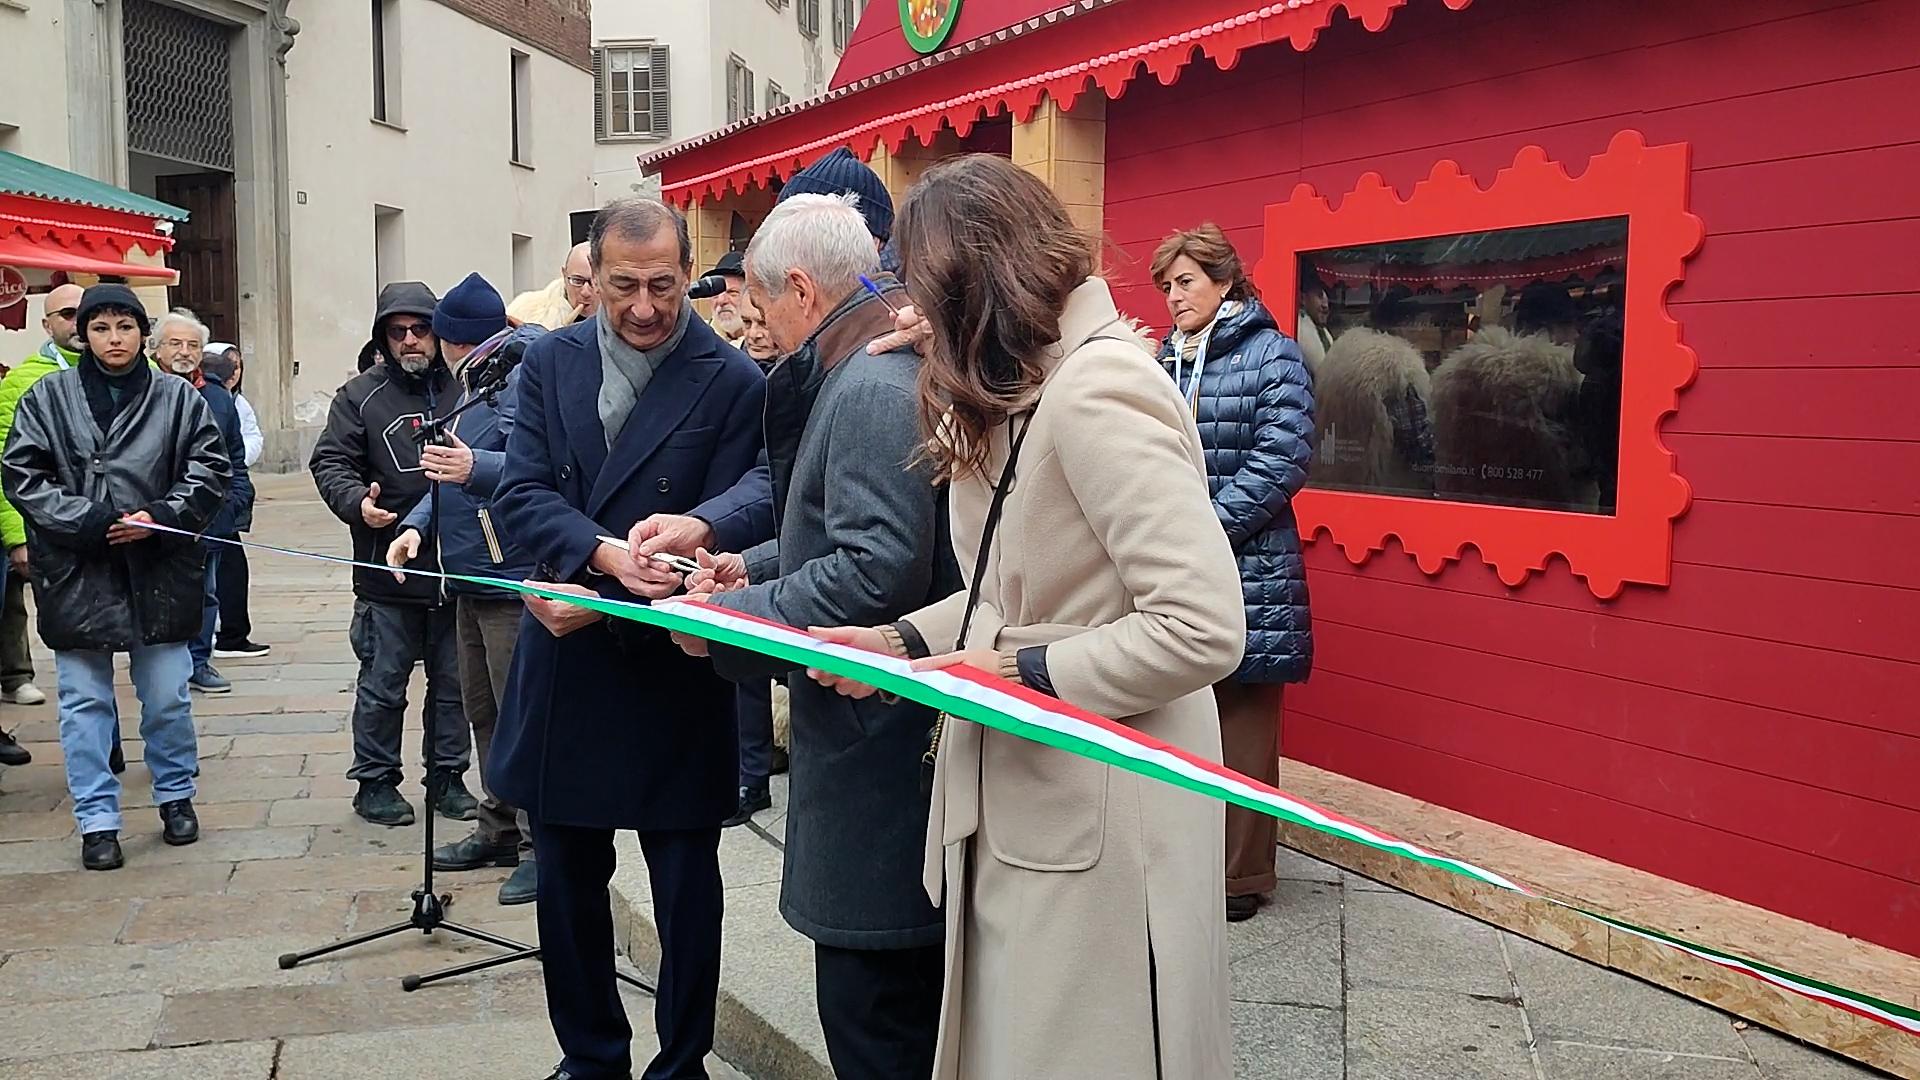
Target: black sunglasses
{"x": 66, "y": 312}
{"x": 397, "y": 333}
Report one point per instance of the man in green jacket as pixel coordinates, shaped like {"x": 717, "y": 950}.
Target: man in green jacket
{"x": 61, "y": 351}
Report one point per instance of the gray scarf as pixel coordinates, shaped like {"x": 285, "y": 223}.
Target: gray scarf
{"x": 625, "y": 370}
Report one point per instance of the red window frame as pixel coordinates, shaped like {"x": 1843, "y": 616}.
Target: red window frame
{"x": 1648, "y": 186}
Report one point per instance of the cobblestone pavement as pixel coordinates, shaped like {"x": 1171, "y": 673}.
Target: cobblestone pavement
{"x": 166, "y": 969}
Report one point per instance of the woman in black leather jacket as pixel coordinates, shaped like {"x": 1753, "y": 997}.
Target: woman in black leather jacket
{"x": 1252, "y": 397}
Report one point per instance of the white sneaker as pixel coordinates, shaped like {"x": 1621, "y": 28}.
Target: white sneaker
{"x": 25, "y": 694}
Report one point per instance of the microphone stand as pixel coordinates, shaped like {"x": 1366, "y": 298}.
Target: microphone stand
{"x": 430, "y": 909}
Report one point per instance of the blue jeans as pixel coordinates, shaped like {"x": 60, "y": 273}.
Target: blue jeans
{"x": 88, "y": 720}
{"x": 201, "y": 647}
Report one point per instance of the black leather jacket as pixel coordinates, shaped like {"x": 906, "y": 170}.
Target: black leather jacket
{"x": 161, "y": 453}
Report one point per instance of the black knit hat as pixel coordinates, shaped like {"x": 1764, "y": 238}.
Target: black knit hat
{"x": 470, "y": 313}
{"x": 108, "y": 294}
{"x": 840, "y": 173}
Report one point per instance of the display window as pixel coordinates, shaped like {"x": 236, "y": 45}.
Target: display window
{"x": 1492, "y": 364}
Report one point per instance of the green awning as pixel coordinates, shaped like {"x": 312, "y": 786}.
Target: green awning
{"x": 24, "y": 176}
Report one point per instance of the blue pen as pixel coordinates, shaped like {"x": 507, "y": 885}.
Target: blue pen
{"x": 874, "y": 288}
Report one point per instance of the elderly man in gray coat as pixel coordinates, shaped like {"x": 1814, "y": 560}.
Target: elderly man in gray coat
{"x": 862, "y": 540}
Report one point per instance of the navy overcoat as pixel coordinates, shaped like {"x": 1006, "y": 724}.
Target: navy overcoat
{"x": 613, "y": 726}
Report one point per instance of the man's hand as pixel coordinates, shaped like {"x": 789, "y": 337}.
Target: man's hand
{"x": 125, "y": 531}
{"x": 404, "y": 549}
{"x": 448, "y": 464}
{"x": 640, "y": 577}
{"x": 717, "y": 573}
{"x": 987, "y": 660}
{"x": 18, "y": 557}
{"x": 910, "y": 330}
{"x": 559, "y": 617}
{"x": 672, "y": 534}
{"x": 860, "y": 637}
{"x": 370, "y": 513}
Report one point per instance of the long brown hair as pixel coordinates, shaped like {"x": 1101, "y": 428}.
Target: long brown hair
{"x": 990, "y": 256}
{"x": 1208, "y": 246}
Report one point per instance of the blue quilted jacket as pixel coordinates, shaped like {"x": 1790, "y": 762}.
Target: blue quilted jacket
{"x": 1254, "y": 404}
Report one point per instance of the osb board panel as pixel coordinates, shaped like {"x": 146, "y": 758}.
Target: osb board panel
{"x": 1632, "y": 896}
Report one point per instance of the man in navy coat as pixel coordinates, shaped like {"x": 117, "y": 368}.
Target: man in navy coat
{"x": 638, "y": 412}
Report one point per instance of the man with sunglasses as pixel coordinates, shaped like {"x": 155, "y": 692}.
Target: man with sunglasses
{"x": 60, "y": 352}
{"x": 367, "y": 466}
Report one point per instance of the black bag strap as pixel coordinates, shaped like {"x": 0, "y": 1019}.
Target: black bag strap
{"x": 1019, "y": 426}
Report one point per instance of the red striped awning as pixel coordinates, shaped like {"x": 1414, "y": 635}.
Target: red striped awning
{"x": 1107, "y": 47}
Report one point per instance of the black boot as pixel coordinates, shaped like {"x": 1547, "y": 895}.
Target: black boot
{"x": 474, "y": 853}
{"x": 752, "y": 800}
{"x": 523, "y": 885}
{"x": 11, "y": 752}
{"x": 455, "y": 801}
{"x": 179, "y": 824}
{"x": 379, "y": 801}
{"x": 101, "y": 850}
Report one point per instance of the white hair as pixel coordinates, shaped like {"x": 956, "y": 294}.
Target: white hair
{"x": 823, "y": 235}
{"x": 181, "y": 315}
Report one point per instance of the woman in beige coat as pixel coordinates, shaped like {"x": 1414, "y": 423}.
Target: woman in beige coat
{"x": 1085, "y": 935}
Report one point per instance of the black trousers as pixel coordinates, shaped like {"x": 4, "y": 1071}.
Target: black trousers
{"x": 230, "y": 587}
{"x": 753, "y": 707}
{"x": 388, "y": 639}
{"x": 880, "y": 1009}
{"x": 576, "y": 941}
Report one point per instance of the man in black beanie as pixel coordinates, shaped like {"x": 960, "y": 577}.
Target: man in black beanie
{"x": 368, "y": 469}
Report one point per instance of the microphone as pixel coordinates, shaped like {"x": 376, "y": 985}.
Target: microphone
{"x": 709, "y": 286}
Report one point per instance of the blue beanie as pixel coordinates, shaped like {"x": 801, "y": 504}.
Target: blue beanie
{"x": 470, "y": 313}
{"x": 841, "y": 173}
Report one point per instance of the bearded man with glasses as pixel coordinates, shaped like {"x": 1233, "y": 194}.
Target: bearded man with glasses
{"x": 367, "y": 468}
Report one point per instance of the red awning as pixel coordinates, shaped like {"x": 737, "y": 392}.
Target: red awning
{"x": 1107, "y": 47}
{"x": 54, "y": 235}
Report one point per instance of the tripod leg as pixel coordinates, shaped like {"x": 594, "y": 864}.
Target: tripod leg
{"x": 288, "y": 960}
{"x": 415, "y": 982}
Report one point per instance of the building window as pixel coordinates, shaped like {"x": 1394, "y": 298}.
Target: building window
{"x": 526, "y": 276}
{"x": 776, "y": 97}
{"x": 808, "y": 13}
{"x": 846, "y": 15}
{"x": 520, "y": 100}
{"x": 739, "y": 89}
{"x": 777, "y": 5}
{"x": 386, "y": 61}
{"x": 631, "y": 100}
{"x": 389, "y": 246}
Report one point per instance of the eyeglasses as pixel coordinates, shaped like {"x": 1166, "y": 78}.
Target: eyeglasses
{"x": 68, "y": 313}
{"x": 420, "y": 330}
{"x": 575, "y": 281}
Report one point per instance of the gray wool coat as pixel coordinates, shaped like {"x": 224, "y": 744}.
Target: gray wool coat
{"x": 862, "y": 540}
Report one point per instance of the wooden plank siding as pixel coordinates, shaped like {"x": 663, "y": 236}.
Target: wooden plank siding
{"x": 1754, "y": 729}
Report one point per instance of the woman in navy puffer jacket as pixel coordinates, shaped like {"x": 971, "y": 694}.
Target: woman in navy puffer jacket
{"x": 1253, "y": 399}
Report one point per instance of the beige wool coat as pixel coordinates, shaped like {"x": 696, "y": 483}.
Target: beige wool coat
{"x": 1084, "y": 905}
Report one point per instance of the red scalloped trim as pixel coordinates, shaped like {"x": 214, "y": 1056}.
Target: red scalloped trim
{"x": 1647, "y": 184}
{"x": 1221, "y": 40}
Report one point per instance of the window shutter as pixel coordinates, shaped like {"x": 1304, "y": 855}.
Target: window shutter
{"x": 599, "y": 93}
{"x": 733, "y": 91}
{"x": 746, "y": 92}
{"x": 662, "y": 82}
